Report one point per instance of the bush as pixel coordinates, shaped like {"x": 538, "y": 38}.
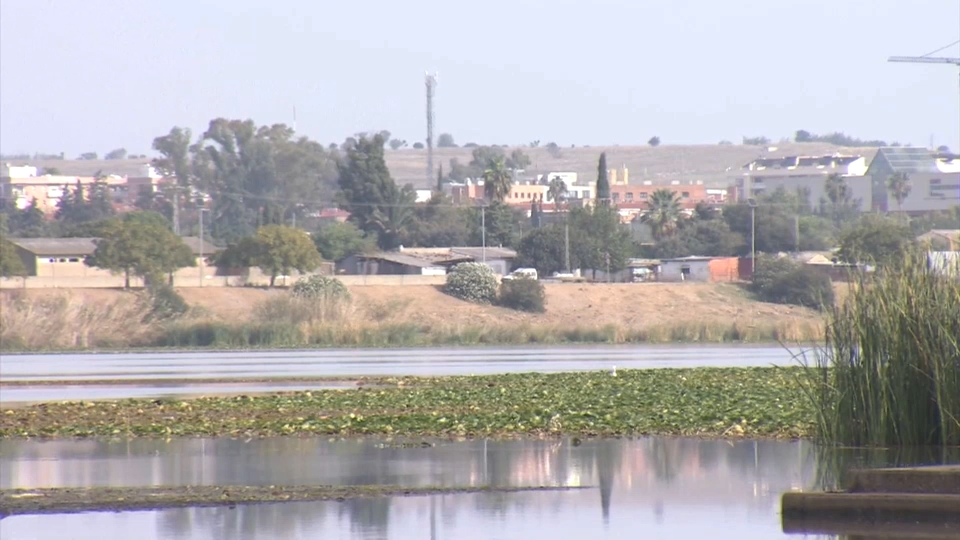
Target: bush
{"x": 784, "y": 281}
{"x": 523, "y": 294}
{"x": 165, "y": 303}
{"x": 314, "y": 299}
{"x": 321, "y": 288}
{"x": 473, "y": 282}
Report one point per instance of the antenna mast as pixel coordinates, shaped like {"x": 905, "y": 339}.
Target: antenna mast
{"x": 431, "y": 82}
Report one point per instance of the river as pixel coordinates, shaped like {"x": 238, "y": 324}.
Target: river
{"x": 665, "y": 487}
{"x": 170, "y": 373}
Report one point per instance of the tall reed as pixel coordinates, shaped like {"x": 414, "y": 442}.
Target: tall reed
{"x": 889, "y": 371}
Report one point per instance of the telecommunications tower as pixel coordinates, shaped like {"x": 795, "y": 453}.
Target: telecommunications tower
{"x": 431, "y": 82}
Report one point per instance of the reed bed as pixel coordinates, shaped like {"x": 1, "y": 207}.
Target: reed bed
{"x": 888, "y": 373}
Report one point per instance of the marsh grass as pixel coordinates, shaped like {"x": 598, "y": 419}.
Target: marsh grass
{"x": 889, "y": 371}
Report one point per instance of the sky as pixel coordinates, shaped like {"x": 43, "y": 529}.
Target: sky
{"x": 93, "y": 75}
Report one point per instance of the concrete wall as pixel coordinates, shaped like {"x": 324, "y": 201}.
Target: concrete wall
{"x": 255, "y": 278}
{"x": 673, "y": 270}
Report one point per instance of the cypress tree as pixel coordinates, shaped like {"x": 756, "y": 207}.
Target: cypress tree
{"x": 603, "y": 184}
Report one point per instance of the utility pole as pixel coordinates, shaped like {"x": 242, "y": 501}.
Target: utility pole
{"x": 202, "y": 210}
{"x": 753, "y": 238}
{"x": 483, "y": 231}
{"x": 176, "y": 209}
{"x": 566, "y": 244}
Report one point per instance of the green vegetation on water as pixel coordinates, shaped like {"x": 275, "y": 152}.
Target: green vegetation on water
{"x": 894, "y": 352}
{"x": 756, "y": 402}
{"x": 66, "y": 500}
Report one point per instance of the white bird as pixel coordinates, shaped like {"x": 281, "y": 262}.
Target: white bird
{"x": 613, "y": 372}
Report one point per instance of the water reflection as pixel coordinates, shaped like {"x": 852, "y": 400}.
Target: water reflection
{"x": 666, "y": 487}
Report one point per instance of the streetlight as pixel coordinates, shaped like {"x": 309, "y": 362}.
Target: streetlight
{"x": 202, "y": 210}
{"x": 753, "y": 237}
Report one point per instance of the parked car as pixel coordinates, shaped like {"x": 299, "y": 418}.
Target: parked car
{"x": 522, "y": 273}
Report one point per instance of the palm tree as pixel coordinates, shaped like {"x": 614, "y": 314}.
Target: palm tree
{"x": 497, "y": 180}
{"x": 394, "y": 216}
{"x": 839, "y": 195}
{"x": 663, "y": 213}
{"x": 899, "y": 185}
{"x": 557, "y": 191}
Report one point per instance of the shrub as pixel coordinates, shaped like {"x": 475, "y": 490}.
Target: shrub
{"x": 321, "y": 288}
{"x": 314, "y": 299}
{"x": 523, "y": 294}
{"x": 473, "y": 282}
{"x": 784, "y": 281}
{"x": 165, "y": 303}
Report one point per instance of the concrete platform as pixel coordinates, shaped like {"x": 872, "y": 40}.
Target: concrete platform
{"x": 920, "y": 502}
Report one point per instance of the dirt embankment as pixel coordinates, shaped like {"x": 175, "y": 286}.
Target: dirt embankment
{"x": 568, "y": 305}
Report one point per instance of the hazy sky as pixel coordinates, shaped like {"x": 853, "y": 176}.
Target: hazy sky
{"x": 92, "y": 75}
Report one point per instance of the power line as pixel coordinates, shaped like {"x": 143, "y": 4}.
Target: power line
{"x": 941, "y": 48}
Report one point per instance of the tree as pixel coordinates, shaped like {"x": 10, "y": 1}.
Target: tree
{"x": 88, "y": 156}
{"x": 29, "y": 222}
{"x": 802, "y": 136}
{"x": 663, "y": 213}
{"x": 518, "y": 160}
{"x": 603, "y": 183}
{"x": 654, "y": 141}
{"x": 337, "y": 241}
{"x": 708, "y": 238}
{"x": 899, "y": 186}
{"x": 543, "y": 249}
{"x": 82, "y": 206}
{"x": 140, "y": 244}
{"x": 554, "y": 150}
{"x": 445, "y": 140}
{"x": 280, "y": 250}
{"x": 439, "y": 186}
{"x": 841, "y": 204}
{"x": 150, "y": 200}
{"x": 557, "y": 191}
{"x": 175, "y": 163}
{"x": 875, "y": 239}
{"x": 497, "y": 180}
{"x": 756, "y": 141}
{"x": 439, "y": 223}
{"x": 396, "y": 144}
{"x": 10, "y": 262}
{"x": 943, "y": 149}
{"x": 602, "y": 241}
{"x": 119, "y": 153}
{"x": 418, "y": 146}
{"x": 50, "y": 171}
{"x": 375, "y": 202}
{"x": 502, "y": 224}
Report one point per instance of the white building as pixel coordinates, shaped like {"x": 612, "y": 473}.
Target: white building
{"x": 806, "y": 173}
{"x": 934, "y": 179}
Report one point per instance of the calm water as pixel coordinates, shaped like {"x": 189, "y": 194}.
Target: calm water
{"x": 662, "y": 487}
{"x": 344, "y": 363}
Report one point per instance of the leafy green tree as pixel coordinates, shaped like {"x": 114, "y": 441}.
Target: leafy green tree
{"x": 518, "y": 160}
{"x": 375, "y": 202}
{"x": 875, "y": 239}
{"x": 654, "y": 141}
{"x": 543, "y": 249}
{"x": 337, "y": 241}
{"x": 10, "y": 262}
{"x": 899, "y": 186}
{"x": 557, "y": 191}
{"x": 708, "y": 238}
{"x": 603, "y": 242}
{"x": 280, "y": 250}
{"x": 141, "y": 245}
{"x": 503, "y": 224}
{"x": 27, "y": 223}
{"x": 50, "y": 171}
{"x": 119, "y": 153}
{"x": 175, "y": 162}
{"x": 150, "y": 200}
{"x": 603, "y": 182}
{"x": 839, "y": 204}
{"x": 445, "y": 140}
{"x": 439, "y": 224}
{"x": 663, "y": 212}
{"x": 522, "y": 295}
{"x": 784, "y": 281}
{"x": 497, "y": 180}
{"x": 77, "y": 207}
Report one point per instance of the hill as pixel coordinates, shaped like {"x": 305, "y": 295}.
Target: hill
{"x": 711, "y": 164}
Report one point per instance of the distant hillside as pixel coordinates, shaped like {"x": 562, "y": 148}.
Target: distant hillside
{"x": 707, "y": 163}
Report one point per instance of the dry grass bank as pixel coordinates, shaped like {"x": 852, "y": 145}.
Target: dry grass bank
{"x": 36, "y": 319}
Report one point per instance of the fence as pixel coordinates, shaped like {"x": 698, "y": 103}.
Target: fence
{"x": 254, "y": 278}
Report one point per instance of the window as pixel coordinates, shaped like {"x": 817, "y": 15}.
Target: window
{"x": 616, "y": 197}
{"x": 63, "y": 260}
{"x": 685, "y": 195}
{"x": 629, "y": 196}
{"x": 74, "y": 259}
{"x": 643, "y": 195}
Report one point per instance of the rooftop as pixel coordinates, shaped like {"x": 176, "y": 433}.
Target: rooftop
{"x": 917, "y": 160}
{"x": 791, "y": 162}
{"x": 49, "y": 247}
{"x": 428, "y": 257}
